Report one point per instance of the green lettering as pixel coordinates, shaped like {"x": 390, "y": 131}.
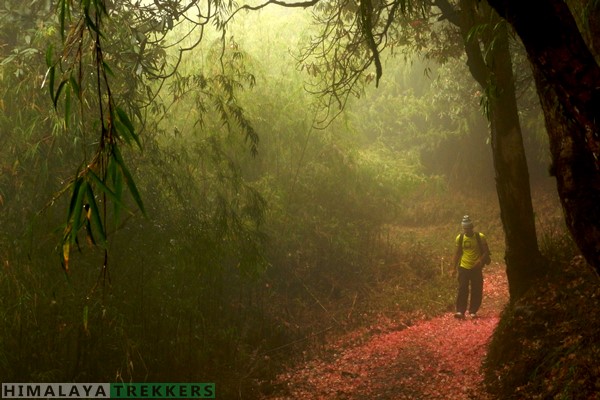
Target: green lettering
{"x": 182, "y": 390}
{"x": 170, "y": 391}
{"x": 209, "y": 391}
{"x": 131, "y": 391}
{"x": 118, "y": 387}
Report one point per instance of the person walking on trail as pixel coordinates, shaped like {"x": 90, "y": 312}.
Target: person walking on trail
{"x": 472, "y": 253}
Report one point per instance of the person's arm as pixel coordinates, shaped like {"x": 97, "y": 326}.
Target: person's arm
{"x": 485, "y": 251}
{"x": 456, "y": 260}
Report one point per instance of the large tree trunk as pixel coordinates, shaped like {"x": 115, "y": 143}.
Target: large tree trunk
{"x": 494, "y": 74}
{"x": 568, "y": 84}
{"x": 523, "y": 259}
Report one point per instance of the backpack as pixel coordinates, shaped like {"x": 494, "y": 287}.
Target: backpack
{"x": 487, "y": 259}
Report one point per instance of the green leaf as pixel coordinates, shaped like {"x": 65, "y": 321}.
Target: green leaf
{"x": 58, "y": 91}
{"x": 126, "y": 122}
{"x": 107, "y": 68}
{"x": 125, "y": 119}
{"x": 105, "y": 189}
{"x": 90, "y": 24}
{"x": 75, "y": 86}
{"x": 76, "y": 208}
{"x": 76, "y": 186}
{"x": 476, "y": 31}
{"x": 51, "y": 72}
{"x": 121, "y": 131}
{"x": 100, "y": 7}
{"x": 95, "y": 219}
{"x": 49, "y": 51}
{"x": 62, "y": 16}
{"x": 129, "y": 180}
{"x": 90, "y": 233}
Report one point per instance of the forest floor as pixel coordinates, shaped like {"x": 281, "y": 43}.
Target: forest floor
{"x": 438, "y": 358}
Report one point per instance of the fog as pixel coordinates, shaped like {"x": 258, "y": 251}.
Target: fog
{"x": 251, "y": 223}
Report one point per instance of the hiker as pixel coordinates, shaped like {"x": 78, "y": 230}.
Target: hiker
{"x": 472, "y": 253}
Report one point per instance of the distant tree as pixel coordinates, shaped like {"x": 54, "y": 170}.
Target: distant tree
{"x": 567, "y": 78}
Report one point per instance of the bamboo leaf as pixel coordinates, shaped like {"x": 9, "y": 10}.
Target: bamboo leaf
{"x": 95, "y": 219}
{"x": 49, "y": 51}
{"x": 122, "y": 131}
{"x": 101, "y": 7}
{"x": 125, "y": 119}
{"x": 105, "y": 189}
{"x": 107, "y": 68}
{"x": 75, "y": 86}
{"x": 62, "y": 17}
{"x": 76, "y": 186}
{"x": 128, "y": 125}
{"x": 77, "y": 208}
{"x": 88, "y": 19}
{"x": 89, "y": 23}
{"x": 89, "y": 232}
{"x": 129, "y": 180}
{"x": 51, "y": 72}
{"x": 58, "y": 92}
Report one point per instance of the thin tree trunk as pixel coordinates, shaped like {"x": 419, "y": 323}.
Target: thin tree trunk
{"x": 493, "y": 72}
{"x": 523, "y": 259}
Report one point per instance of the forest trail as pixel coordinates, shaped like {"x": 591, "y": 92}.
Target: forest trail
{"x": 439, "y": 358}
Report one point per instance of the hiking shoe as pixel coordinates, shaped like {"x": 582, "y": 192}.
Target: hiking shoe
{"x": 459, "y": 315}
{"x": 474, "y": 315}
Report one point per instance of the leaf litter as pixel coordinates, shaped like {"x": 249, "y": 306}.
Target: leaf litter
{"x": 438, "y": 358}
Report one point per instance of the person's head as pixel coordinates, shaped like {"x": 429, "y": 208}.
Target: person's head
{"x": 467, "y": 225}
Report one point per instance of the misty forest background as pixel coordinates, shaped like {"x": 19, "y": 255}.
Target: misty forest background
{"x": 250, "y": 224}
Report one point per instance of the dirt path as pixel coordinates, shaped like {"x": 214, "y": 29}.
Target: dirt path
{"x": 438, "y": 358}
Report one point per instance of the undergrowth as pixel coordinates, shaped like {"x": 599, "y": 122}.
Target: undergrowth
{"x": 166, "y": 317}
{"x": 545, "y": 346}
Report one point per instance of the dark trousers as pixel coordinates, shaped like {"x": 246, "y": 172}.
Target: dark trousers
{"x": 472, "y": 278}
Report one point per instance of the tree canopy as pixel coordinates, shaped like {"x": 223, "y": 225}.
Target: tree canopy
{"x": 344, "y": 57}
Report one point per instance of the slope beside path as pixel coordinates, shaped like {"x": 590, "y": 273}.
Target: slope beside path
{"x": 439, "y": 358}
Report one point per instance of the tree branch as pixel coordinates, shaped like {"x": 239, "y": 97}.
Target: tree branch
{"x": 301, "y": 4}
{"x": 465, "y": 20}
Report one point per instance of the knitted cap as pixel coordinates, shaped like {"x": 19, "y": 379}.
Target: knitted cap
{"x": 466, "y": 221}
